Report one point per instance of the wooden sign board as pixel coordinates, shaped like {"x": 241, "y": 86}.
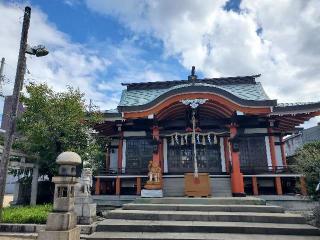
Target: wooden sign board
{"x": 197, "y": 187}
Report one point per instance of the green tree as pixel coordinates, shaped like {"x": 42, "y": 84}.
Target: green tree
{"x": 56, "y": 122}
{"x": 308, "y": 163}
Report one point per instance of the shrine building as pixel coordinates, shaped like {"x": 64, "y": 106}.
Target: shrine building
{"x": 227, "y": 128}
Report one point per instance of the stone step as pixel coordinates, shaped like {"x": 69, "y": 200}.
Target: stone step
{"x": 206, "y": 216}
{"x": 203, "y": 201}
{"x": 190, "y": 236}
{"x": 203, "y": 208}
{"x": 110, "y": 225}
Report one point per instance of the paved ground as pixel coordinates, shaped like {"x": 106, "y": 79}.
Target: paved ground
{"x": 15, "y": 236}
{"x": 7, "y": 199}
{"x": 216, "y": 236}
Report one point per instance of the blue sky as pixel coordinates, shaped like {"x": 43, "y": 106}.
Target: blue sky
{"x": 97, "y": 44}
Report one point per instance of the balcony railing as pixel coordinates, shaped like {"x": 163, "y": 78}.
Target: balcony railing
{"x": 123, "y": 171}
{"x": 244, "y": 170}
{"x": 267, "y": 169}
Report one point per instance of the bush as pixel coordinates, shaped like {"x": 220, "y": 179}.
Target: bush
{"x": 308, "y": 163}
{"x": 27, "y": 214}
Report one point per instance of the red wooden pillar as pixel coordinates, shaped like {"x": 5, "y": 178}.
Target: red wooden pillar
{"x": 236, "y": 175}
{"x": 255, "y": 189}
{"x": 120, "y": 147}
{"x": 156, "y": 155}
{"x": 138, "y": 185}
{"x": 278, "y": 185}
{"x": 303, "y": 186}
{"x": 272, "y": 150}
{"x": 161, "y": 154}
{"x": 118, "y": 186}
{"x": 283, "y": 152}
{"x": 97, "y": 187}
{"x": 226, "y": 153}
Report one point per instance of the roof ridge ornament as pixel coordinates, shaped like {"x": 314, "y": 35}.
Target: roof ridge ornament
{"x": 193, "y": 77}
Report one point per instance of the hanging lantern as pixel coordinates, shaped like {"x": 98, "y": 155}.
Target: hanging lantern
{"x": 198, "y": 129}
{"x": 215, "y": 140}
{"x": 172, "y": 141}
{"x": 209, "y": 139}
{"x": 189, "y": 129}
{"x": 182, "y": 140}
{"x": 203, "y": 140}
{"x": 186, "y": 138}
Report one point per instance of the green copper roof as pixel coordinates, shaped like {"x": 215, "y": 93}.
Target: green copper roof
{"x": 244, "y": 91}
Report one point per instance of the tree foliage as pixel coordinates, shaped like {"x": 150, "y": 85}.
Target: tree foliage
{"x": 308, "y": 163}
{"x": 56, "y": 122}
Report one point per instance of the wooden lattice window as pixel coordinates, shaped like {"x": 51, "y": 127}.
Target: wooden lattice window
{"x": 139, "y": 152}
{"x": 180, "y": 158}
{"x": 253, "y": 154}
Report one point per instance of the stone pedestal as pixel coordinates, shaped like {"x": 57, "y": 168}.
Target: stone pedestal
{"x": 61, "y": 221}
{"x": 72, "y": 234}
{"x": 85, "y": 209}
{"x": 146, "y": 193}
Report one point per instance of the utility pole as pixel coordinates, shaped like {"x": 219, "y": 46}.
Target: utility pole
{"x": 90, "y": 105}
{"x": 1, "y": 68}
{"x": 1, "y": 76}
{"x": 15, "y": 101}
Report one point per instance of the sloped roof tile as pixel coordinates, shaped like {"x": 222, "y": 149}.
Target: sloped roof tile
{"x": 244, "y": 91}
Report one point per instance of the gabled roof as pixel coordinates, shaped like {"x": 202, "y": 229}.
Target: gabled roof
{"x": 253, "y": 92}
{"x": 243, "y": 90}
{"x": 225, "y": 95}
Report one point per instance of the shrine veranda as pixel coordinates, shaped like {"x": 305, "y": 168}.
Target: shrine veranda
{"x": 237, "y": 141}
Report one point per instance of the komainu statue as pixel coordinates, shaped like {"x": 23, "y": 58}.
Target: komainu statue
{"x": 85, "y": 185}
{"x": 84, "y": 207}
{"x": 154, "y": 175}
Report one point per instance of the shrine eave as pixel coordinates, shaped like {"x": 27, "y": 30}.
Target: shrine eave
{"x": 291, "y": 115}
{"x": 296, "y": 108}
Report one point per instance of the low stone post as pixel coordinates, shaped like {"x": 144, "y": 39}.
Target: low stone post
{"x": 61, "y": 223}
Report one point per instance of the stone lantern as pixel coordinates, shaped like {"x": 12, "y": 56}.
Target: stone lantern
{"x": 61, "y": 223}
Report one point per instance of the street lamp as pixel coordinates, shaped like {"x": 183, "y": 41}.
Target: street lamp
{"x": 39, "y": 50}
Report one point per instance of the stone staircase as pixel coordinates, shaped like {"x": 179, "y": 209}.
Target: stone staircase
{"x": 202, "y": 218}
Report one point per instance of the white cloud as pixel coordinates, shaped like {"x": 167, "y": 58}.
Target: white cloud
{"x": 74, "y": 64}
{"x": 68, "y": 63}
{"x": 196, "y": 32}
{"x": 221, "y": 43}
